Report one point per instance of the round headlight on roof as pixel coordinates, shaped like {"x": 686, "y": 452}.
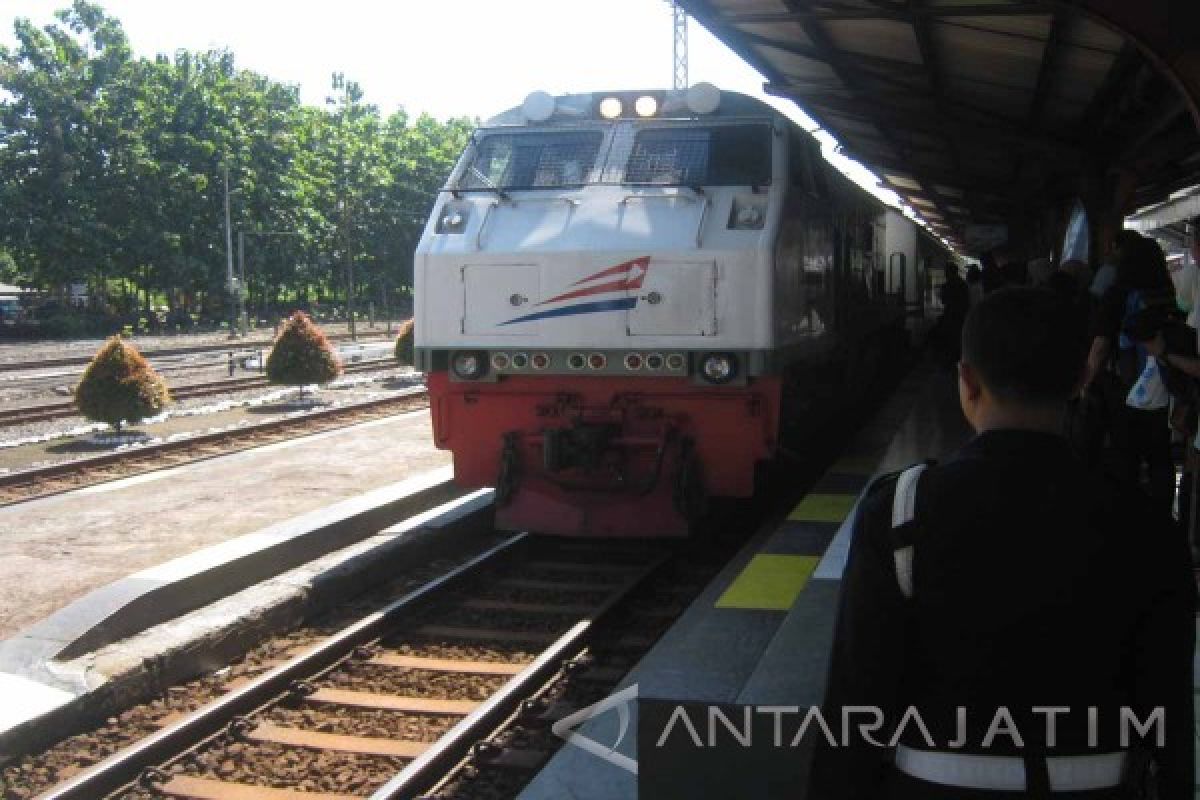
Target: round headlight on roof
{"x": 646, "y": 106}
{"x": 703, "y": 98}
{"x": 611, "y": 108}
{"x": 538, "y": 106}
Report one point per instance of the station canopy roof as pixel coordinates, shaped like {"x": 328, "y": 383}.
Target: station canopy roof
{"x": 970, "y": 109}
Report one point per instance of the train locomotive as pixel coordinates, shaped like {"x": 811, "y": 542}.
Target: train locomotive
{"x": 623, "y": 299}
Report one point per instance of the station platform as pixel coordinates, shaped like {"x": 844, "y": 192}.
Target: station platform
{"x": 57, "y": 549}
{"x": 758, "y": 636}
{"x": 84, "y": 569}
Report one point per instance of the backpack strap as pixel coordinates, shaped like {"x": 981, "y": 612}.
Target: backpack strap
{"x": 904, "y": 510}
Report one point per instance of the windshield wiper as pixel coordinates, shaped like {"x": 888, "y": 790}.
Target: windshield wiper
{"x": 487, "y": 186}
{"x": 696, "y": 188}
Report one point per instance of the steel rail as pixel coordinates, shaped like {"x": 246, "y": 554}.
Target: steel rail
{"x": 29, "y": 476}
{"x": 123, "y": 768}
{"x": 239, "y": 347}
{"x": 17, "y": 416}
{"x": 428, "y": 769}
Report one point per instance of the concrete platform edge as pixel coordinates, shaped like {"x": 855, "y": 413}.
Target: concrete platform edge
{"x": 86, "y": 690}
{"x": 157, "y": 594}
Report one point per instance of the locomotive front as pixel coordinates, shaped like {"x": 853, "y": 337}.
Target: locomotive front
{"x": 593, "y": 308}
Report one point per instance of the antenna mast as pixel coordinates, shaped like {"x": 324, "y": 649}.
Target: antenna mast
{"x": 680, "y": 45}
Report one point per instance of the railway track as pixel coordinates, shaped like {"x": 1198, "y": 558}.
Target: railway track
{"x": 20, "y": 416}
{"x": 429, "y": 691}
{"x": 238, "y": 347}
{"x": 30, "y": 484}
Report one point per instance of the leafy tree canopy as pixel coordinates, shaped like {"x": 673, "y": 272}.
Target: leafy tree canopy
{"x": 112, "y": 169}
{"x": 120, "y": 386}
{"x": 302, "y": 355}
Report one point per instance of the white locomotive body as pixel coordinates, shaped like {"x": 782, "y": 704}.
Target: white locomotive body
{"x": 615, "y": 292}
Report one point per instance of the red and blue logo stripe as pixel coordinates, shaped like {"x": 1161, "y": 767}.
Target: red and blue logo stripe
{"x": 622, "y": 278}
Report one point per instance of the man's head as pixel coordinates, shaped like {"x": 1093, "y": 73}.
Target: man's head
{"x": 1023, "y": 358}
{"x": 1123, "y": 240}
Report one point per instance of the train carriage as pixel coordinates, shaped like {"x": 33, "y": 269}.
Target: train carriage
{"x": 620, "y": 297}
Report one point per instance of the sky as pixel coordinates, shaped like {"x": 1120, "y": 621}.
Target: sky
{"x": 470, "y": 58}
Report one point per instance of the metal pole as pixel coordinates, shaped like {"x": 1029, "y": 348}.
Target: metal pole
{"x": 242, "y": 280}
{"x": 387, "y": 310}
{"x": 680, "y": 46}
{"x": 229, "y": 255}
{"x": 349, "y": 267}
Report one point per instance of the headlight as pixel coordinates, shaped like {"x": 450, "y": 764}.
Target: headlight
{"x": 469, "y": 365}
{"x": 718, "y": 368}
{"x": 611, "y": 108}
{"x": 538, "y": 106}
{"x": 703, "y": 98}
{"x": 747, "y": 215}
{"x": 646, "y": 106}
{"x": 452, "y": 220}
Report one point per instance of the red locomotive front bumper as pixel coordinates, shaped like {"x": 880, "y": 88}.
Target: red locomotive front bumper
{"x": 604, "y": 456}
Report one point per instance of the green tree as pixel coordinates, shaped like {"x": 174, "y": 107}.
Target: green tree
{"x": 111, "y": 171}
{"x": 52, "y": 161}
{"x": 404, "y": 343}
{"x": 302, "y": 355}
{"x": 119, "y": 386}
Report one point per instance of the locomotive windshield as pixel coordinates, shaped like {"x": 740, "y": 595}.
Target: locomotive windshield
{"x": 641, "y": 154}
{"x": 534, "y": 160}
{"x": 722, "y": 155}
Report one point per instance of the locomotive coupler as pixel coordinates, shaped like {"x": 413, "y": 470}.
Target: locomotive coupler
{"x": 583, "y": 445}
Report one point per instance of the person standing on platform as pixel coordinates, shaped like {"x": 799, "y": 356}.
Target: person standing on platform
{"x": 1172, "y": 344}
{"x": 1106, "y": 276}
{"x": 1002, "y": 612}
{"x": 1137, "y": 420}
{"x": 1015, "y": 270}
{"x": 991, "y": 275}
{"x": 956, "y": 301}
{"x": 974, "y": 284}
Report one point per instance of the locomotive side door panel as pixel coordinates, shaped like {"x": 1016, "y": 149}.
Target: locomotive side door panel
{"x": 677, "y": 298}
{"x": 494, "y": 295}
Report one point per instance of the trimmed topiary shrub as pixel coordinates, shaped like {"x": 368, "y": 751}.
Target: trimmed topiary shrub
{"x": 404, "y": 343}
{"x": 120, "y": 386}
{"x": 301, "y": 354}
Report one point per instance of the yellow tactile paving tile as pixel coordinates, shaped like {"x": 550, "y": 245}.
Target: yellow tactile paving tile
{"x": 769, "y": 582}
{"x": 817, "y": 507}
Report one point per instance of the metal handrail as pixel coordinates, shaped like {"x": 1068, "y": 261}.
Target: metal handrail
{"x": 483, "y": 224}
{"x": 704, "y": 200}
{"x": 903, "y": 274}
{"x": 700, "y": 225}
{"x": 571, "y": 201}
{"x": 689, "y": 198}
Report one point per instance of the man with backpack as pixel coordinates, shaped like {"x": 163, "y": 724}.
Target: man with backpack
{"x": 1173, "y": 345}
{"x": 1002, "y": 612}
{"x": 1137, "y": 422}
